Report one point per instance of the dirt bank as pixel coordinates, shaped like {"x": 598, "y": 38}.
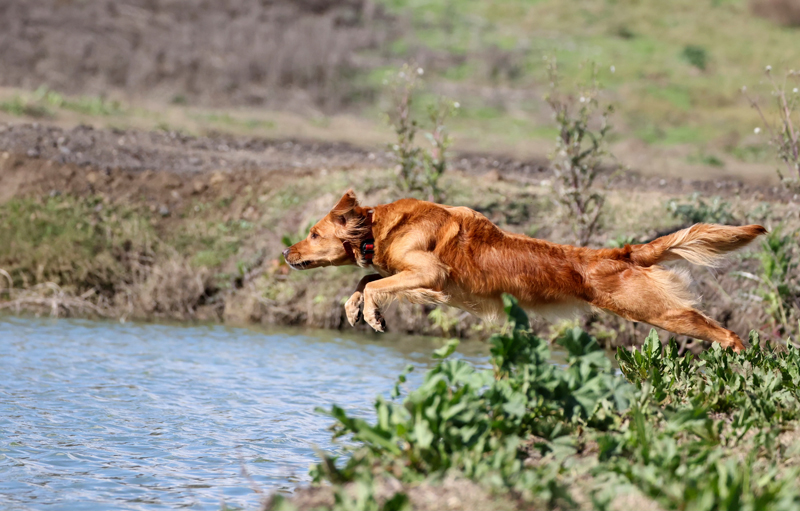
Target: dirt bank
{"x": 176, "y": 153}
{"x": 158, "y": 224}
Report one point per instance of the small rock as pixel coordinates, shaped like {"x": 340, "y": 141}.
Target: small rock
{"x": 492, "y": 176}
{"x": 199, "y": 187}
{"x": 33, "y": 153}
{"x": 216, "y": 178}
{"x": 163, "y": 210}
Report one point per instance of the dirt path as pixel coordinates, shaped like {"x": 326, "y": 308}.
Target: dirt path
{"x": 168, "y": 152}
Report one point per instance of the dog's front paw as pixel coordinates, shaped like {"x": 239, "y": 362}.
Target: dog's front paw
{"x": 374, "y": 319}
{"x": 353, "y": 308}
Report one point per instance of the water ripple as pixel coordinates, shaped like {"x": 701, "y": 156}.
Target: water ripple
{"x": 109, "y": 416}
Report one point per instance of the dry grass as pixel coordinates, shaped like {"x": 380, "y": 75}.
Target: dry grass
{"x": 244, "y": 52}
{"x": 49, "y": 298}
{"x": 168, "y": 288}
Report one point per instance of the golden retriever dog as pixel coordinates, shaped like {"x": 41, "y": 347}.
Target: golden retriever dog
{"x": 435, "y": 254}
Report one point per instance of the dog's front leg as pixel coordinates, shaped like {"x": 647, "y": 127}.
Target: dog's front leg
{"x": 353, "y": 306}
{"x": 421, "y": 283}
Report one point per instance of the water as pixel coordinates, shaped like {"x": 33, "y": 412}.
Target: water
{"x": 101, "y": 416}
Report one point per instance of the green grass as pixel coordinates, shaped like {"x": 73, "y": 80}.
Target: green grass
{"x": 70, "y": 241}
{"x": 45, "y": 103}
{"x": 676, "y": 74}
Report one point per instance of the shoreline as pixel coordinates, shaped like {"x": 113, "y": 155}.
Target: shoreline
{"x": 157, "y": 225}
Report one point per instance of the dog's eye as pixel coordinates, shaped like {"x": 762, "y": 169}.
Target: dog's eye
{"x": 314, "y": 235}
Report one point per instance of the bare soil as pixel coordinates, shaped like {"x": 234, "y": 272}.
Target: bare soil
{"x": 173, "y": 153}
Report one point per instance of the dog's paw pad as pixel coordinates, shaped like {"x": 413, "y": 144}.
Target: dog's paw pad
{"x": 353, "y": 309}
{"x": 376, "y": 321}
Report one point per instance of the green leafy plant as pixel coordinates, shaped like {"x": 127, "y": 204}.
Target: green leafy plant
{"x": 686, "y": 433}
{"x": 778, "y": 284}
{"x": 696, "y": 209}
{"x": 695, "y": 55}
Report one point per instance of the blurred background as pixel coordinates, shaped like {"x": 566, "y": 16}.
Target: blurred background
{"x": 156, "y": 157}
{"x": 180, "y": 144}
{"x": 315, "y": 69}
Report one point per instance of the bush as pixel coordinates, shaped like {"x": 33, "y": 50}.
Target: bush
{"x": 696, "y": 56}
{"x": 697, "y": 210}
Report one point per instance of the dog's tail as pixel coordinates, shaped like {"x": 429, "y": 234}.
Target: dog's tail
{"x": 703, "y": 244}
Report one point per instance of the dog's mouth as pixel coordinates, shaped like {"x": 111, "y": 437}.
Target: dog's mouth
{"x": 300, "y": 265}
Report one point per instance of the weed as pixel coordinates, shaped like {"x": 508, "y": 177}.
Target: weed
{"x": 443, "y": 319}
{"x": 89, "y": 105}
{"x": 778, "y": 285}
{"x": 785, "y": 134}
{"x": 20, "y": 107}
{"x": 418, "y": 169}
{"x": 577, "y": 158}
{"x": 695, "y": 209}
{"x": 695, "y": 55}
{"x": 621, "y": 240}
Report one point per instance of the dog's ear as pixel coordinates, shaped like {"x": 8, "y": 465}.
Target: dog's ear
{"x": 345, "y": 208}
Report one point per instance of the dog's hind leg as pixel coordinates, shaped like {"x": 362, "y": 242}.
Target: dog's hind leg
{"x": 661, "y": 298}
{"x": 695, "y": 324}
{"x": 353, "y": 306}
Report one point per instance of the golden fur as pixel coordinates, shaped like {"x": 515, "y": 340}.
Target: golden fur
{"x": 429, "y": 253}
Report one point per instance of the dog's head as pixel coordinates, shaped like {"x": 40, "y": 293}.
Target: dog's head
{"x": 331, "y": 241}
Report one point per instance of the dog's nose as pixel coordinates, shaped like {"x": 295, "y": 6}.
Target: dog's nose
{"x": 286, "y": 253}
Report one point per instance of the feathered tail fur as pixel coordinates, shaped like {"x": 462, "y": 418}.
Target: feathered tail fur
{"x": 702, "y": 244}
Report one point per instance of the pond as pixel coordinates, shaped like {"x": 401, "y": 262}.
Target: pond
{"x": 103, "y": 415}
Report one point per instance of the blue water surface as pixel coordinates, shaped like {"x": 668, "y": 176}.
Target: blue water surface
{"x": 103, "y": 415}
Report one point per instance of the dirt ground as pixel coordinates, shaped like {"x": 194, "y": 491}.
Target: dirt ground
{"x": 169, "y": 154}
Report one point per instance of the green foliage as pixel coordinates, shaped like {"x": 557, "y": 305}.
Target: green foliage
{"x": 69, "y": 241}
{"x": 696, "y": 56}
{"x": 695, "y": 209}
{"x": 670, "y": 426}
{"x": 42, "y": 102}
{"x": 90, "y": 105}
{"x": 19, "y": 106}
{"x": 778, "y": 283}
